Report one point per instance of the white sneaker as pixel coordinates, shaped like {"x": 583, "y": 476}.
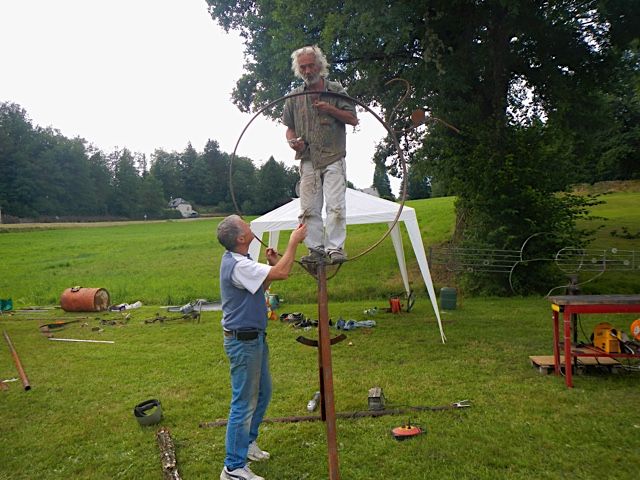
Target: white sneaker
{"x": 256, "y": 454}
{"x": 243, "y": 473}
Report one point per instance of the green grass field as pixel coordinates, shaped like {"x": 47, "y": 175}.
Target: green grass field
{"x": 77, "y": 422}
{"x": 174, "y": 262}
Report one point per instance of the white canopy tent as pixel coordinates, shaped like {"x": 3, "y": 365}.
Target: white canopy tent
{"x": 361, "y": 208}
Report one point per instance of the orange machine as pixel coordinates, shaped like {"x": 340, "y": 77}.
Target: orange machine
{"x": 606, "y": 338}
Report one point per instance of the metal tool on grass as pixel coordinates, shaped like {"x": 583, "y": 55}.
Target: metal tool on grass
{"x": 313, "y": 403}
{"x": 80, "y": 340}
{"x": 352, "y": 415}
{"x": 46, "y": 328}
{"x": 16, "y": 360}
{"x": 406, "y": 431}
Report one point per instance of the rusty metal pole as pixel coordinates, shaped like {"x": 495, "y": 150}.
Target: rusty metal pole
{"x": 323, "y": 412}
{"x": 326, "y": 372}
{"x": 16, "y": 359}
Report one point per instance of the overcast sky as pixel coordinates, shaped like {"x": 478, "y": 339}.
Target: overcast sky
{"x": 142, "y": 74}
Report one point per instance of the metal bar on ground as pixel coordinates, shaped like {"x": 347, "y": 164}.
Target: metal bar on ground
{"x": 80, "y": 340}
{"x": 347, "y": 415}
{"x": 16, "y": 359}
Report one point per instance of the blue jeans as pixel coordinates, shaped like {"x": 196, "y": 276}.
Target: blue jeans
{"x": 250, "y": 395}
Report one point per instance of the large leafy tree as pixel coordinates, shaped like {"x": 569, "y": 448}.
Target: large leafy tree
{"x": 187, "y": 162}
{"x": 43, "y": 173}
{"x": 418, "y": 184}
{"x": 100, "y": 180}
{"x": 381, "y": 179}
{"x": 165, "y": 167}
{"x": 151, "y": 199}
{"x": 125, "y": 199}
{"x": 19, "y": 147}
{"x": 516, "y": 78}
{"x": 215, "y": 168}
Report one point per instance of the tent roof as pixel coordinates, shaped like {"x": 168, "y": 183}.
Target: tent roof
{"x": 361, "y": 208}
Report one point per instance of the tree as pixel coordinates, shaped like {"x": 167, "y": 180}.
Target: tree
{"x": 18, "y": 146}
{"x": 187, "y": 163}
{"x": 100, "y": 180}
{"x": 66, "y": 177}
{"x": 380, "y": 178}
{"x": 507, "y": 75}
{"x": 125, "y": 200}
{"x": 274, "y": 186}
{"x": 245, "y": 191}
{"x": 381, "y": 182}
{"x": 44, "y": 173}
{"x": 165, "y": 167}
{"x": 215, "y": 167}
{"x": 152, "y": 200}
{"x": 418, "y": 184}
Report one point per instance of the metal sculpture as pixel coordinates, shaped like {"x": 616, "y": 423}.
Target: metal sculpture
{"x": 319, "y": 270}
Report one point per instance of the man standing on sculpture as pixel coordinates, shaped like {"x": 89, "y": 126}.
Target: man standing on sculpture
{"x": 316, "y": 131}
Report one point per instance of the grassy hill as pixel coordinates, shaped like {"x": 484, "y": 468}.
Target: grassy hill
{"x": 176, "y": 261}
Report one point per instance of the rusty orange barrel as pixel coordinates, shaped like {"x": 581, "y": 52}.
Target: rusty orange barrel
{"x": 80, "y": 299}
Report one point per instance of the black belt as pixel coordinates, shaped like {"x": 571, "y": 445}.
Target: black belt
{"x": 243, "y": 334}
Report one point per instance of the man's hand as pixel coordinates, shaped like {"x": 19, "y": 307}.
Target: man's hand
{"x": 342, "y": 115}
{"x": 298, "y": 144}
{"x": 282, "y": 268}
{"x": 299, "y": 234}
{"x": 324, "y": 107}
{"x": 272, "y": 256}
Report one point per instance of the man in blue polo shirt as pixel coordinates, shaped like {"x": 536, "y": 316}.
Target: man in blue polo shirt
{"x": 243, "y": 282}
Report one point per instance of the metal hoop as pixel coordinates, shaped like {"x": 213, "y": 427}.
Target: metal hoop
{"x": 390, "y": 131}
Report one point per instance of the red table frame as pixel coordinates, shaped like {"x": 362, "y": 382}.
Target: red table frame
{"x": 575, "y": 304}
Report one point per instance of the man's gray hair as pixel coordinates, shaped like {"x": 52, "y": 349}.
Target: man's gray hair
{"x": 229, "y": 230}
{"x": 321, "y": 60}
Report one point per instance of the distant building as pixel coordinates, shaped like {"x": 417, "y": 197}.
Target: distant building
{"x": 184, "y": 207}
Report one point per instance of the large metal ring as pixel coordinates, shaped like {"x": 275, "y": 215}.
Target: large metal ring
{"x": 391, "y": 132}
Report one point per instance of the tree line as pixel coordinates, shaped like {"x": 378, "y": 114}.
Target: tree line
{"x": 44, "y": 174}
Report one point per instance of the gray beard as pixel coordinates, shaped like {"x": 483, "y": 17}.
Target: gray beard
{"x": 311, "y": 80}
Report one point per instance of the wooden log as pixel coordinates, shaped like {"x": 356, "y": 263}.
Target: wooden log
{"x": 167, "y": 455}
